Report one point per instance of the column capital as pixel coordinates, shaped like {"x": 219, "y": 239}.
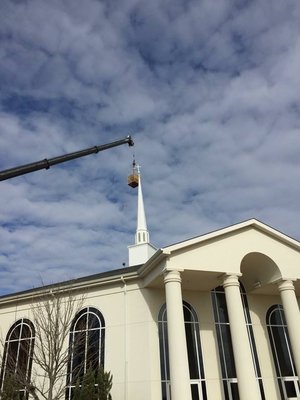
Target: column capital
{"x": 286, "y": 284}
{"x": 231, "y": 280}
{"x": 172, "y": 276}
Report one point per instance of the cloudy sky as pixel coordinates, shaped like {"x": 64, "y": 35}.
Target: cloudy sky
{"x": 209, "y": 90}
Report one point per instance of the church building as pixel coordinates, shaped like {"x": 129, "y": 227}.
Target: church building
{"x": 215, "y": 317}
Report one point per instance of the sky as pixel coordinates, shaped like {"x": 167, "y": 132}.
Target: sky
{"x": 209, "y": 91}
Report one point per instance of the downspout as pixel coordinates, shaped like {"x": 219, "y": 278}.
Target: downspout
{"x": 125, "y": 340}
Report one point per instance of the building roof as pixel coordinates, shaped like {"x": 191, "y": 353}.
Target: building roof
{"x": 107, "y": 276}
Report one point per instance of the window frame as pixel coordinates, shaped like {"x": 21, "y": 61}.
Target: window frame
{"x": 282, "y": 379}
{"x": 85, "y": 315}
{"x": 20, "y": 342}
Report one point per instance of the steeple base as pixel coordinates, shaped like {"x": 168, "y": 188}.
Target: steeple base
{"x": 140, "y": 253}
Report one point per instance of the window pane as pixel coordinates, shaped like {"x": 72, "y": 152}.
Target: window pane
{"x": 234, "y": 391}
{"x": 92, "y": 361}
{"x": 192, "y": 351}
{"x": 93, "y": 321}
{"x": 262, "y": 392}
{"x": 187, "y": 314}
{"x": 164, "y": 390}
{"x": 277, "y": 317}
{"x": 204, "y": 394}
{"x": 15, "y": 334}
{"x": 290, "y": 389}
{"x": 227, "y": 351}
{"x": 195, "y": 392}
{"x": 164, "y": 351}
{"x": 78, "y": 357}
{"x": 225, "y": 387}
{"x": 12, "y": 356}
{"x": 221, "y": 355}
{"x": 254, "y": 351}
{"x": 23, "y": 356}
{"x": 221, "y": 307}
{"x": 81, "y": 323}
{"x": 26, "y": 332}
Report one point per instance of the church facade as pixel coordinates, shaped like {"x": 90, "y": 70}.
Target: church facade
{"x": 215, "y": 317}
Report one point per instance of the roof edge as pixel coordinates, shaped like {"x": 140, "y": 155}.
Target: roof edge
{"x": 104, "y": 278}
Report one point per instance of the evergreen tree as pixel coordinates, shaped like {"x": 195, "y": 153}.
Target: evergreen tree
{"x": 94, "y": 386}
{"x": 77, "y": 394}
{"x": 10, "y": 390}
{"x": 103, "y": 382}
{"x": 88, "y": 386}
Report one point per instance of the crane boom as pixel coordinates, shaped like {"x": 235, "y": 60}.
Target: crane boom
{"x": 47, "y": 163}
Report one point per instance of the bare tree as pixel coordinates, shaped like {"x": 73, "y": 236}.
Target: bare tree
{"x": 52, "y": 316}
{"x": 52, "y": 319}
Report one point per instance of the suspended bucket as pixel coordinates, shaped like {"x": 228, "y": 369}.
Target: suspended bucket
{"x": 133, "y": 180}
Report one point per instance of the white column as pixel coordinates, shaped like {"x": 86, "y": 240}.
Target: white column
{"x": 178, "y": 357}
{"x": 292, "y": 316}
{"x": 247, "y": 383}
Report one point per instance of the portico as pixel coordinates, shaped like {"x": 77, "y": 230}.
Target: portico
{"x": 251, "y": 253}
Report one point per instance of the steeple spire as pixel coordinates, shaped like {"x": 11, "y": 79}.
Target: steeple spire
{"x": 142, "y": 250}
{"x": 142, "y": 234}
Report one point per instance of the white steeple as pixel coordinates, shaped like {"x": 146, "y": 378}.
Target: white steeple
{"x": 142, "y": 234}
{"x": 142, "y": 250}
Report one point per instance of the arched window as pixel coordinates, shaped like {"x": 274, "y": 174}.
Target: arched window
{"x": 87, "y": 335}
{"x": 282, "y": 353}
{"x": 192, "y": 329}
{"x": 18, "y": 353}
{"x": 230, "y": 382}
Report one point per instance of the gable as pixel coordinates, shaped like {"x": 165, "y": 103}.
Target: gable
{"x": 225, "y": 251}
